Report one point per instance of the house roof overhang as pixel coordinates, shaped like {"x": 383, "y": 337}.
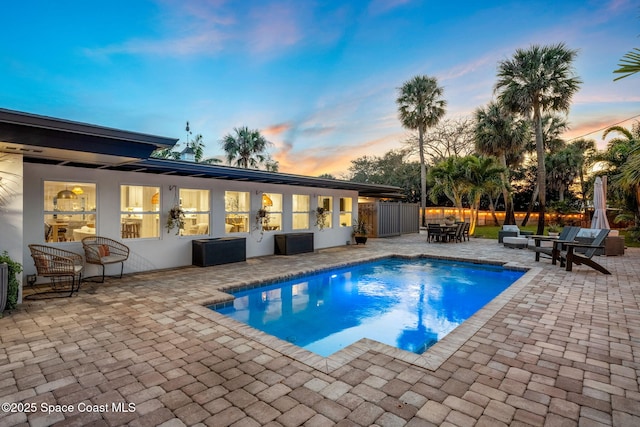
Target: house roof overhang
{"x": 49, "y": 140}
{"x": 54, "y": 139}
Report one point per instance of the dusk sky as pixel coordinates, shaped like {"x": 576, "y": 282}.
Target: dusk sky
{"x": 318, "y": 78}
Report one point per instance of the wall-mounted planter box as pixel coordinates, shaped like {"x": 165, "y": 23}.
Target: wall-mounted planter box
{"x": 220, "y": 250}
{"x": 293, "y": 243}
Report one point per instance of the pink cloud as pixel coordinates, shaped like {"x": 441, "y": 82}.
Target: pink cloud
{"x": 276, "y": 129}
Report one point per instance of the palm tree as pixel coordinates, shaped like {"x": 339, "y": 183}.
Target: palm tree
{"x": 483, "y": 175}
{"x": 420, "y": 106}
{"x": 449, "y": 178}
{"x": 629, "y": 64}
{"x": 562, "y": 169}
{"x": 245, "y": 148}
{"x": 584, "y": 151}
{"x": 553, "y": 126}
{"x": 622, "y": 160}
{"x": 538, "y": 80}
{"x": 501, "y": 134}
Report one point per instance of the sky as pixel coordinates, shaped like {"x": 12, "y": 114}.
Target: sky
{"x": 319, "y": 79}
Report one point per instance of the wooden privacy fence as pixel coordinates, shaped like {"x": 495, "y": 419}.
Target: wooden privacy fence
{"x": 391, "y": 219}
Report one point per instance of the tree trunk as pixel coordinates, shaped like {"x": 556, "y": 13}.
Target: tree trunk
{"x": 542, "y": 173}
{"x": 492, "y": 208}
{"x": 509, "y": 215}
{"x": 423, "y": 176}
{"x": 534, "y": 196}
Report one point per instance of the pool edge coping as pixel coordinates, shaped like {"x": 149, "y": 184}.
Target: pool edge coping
{"x": 431, "y": 359}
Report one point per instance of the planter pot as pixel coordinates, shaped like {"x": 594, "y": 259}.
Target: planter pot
{"x": 553, "y": 234}
{"x": 4, "y": 286}
{"x": 448, "y": 222}
{"x": 361, "y": 239}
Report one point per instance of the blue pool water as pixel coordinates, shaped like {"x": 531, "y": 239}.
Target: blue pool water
{"x": 408, "y": 304}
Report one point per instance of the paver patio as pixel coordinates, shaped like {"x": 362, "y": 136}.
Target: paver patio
{"x": 558, "y": 348}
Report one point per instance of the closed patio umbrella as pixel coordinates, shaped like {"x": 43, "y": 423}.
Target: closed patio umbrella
{"x": 599, "y": 206}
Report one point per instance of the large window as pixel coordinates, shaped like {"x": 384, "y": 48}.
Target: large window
{"x": 195, "y": 204}
{"x": 272, "y": 203}
{"x": 139, "y": 211}
{"x": 346, "y": 210}
{"x": 326, "y": 202}
{"x": 237, "y": 209}
{"x": 69, "y": 211}
{"x": 300, "y": 216}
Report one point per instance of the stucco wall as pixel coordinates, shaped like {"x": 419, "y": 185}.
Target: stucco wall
{"x": 11, "y": 227}
{"x": 168, "y": 250}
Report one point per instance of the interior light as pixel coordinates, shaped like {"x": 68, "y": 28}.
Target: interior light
{"x": 66, "y": 194}
{"x": 77, "y": 190}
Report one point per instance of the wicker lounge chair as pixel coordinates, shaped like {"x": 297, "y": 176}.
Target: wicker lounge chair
{"x": 103, "y": 251}
{"x": 59, "y": 265}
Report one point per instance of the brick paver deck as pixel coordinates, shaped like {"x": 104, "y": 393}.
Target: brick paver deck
{"x": 557, "y": 348}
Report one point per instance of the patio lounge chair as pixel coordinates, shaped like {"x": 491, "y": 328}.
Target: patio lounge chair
{"x": 570, "y": 256}
{"x": 568, "y": 234}
{"x": 512, "y": 231}
{"x": 103, "y": 251}
{"x": 59, "y": 265}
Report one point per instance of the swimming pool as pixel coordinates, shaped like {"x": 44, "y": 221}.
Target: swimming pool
{"x": 406, "y": 303}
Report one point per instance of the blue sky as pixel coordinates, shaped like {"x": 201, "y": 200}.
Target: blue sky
{"x": 318, "y": 79}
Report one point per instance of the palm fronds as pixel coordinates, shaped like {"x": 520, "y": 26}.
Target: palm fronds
{"x": 629, "y": 64}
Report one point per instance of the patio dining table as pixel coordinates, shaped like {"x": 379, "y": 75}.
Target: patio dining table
{"x": 446, "y": 229}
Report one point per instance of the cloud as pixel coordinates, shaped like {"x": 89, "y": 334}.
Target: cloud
{"x": 211, "y": 27}
{"x": 379, "y": 7}
{"x": 276, "y": 129}
{"x": 335, "y": 160}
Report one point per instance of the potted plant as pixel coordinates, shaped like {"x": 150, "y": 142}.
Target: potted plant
{"x": 449, "y": 219}
{"x": 553, "y": 230}
{"x": 9, "y": 296}
{"x": 175, "y": 219}
{"x": 262, "y": 220}
{"x": 360, "y": 230}
{"x": 321, "y": 217}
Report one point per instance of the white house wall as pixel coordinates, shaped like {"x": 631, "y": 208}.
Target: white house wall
{"x": 169, "y": 250}
{"x": 11, "y": 214}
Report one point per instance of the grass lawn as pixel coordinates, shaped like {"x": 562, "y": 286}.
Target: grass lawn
{"x": 491, "y": 232}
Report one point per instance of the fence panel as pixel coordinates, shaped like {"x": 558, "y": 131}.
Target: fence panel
{"x": 393, "y": 219}
{"x": 409, "y": 218}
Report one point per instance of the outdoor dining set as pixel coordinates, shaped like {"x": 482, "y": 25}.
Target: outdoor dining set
{"x": 457, "y": 232}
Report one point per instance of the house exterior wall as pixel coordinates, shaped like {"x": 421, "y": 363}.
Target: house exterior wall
{"x": 169, "y": 250}
{"x": 11, "y": 214}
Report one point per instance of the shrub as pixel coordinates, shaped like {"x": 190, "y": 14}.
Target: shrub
{"x": 15, "y": 268}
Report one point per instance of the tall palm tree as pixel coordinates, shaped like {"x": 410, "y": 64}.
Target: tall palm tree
{"x": 245, "y": 147}
{"x": 420, "y": 106}
{"x": 501, "y": 134}
{"x": 538, "y": 80}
